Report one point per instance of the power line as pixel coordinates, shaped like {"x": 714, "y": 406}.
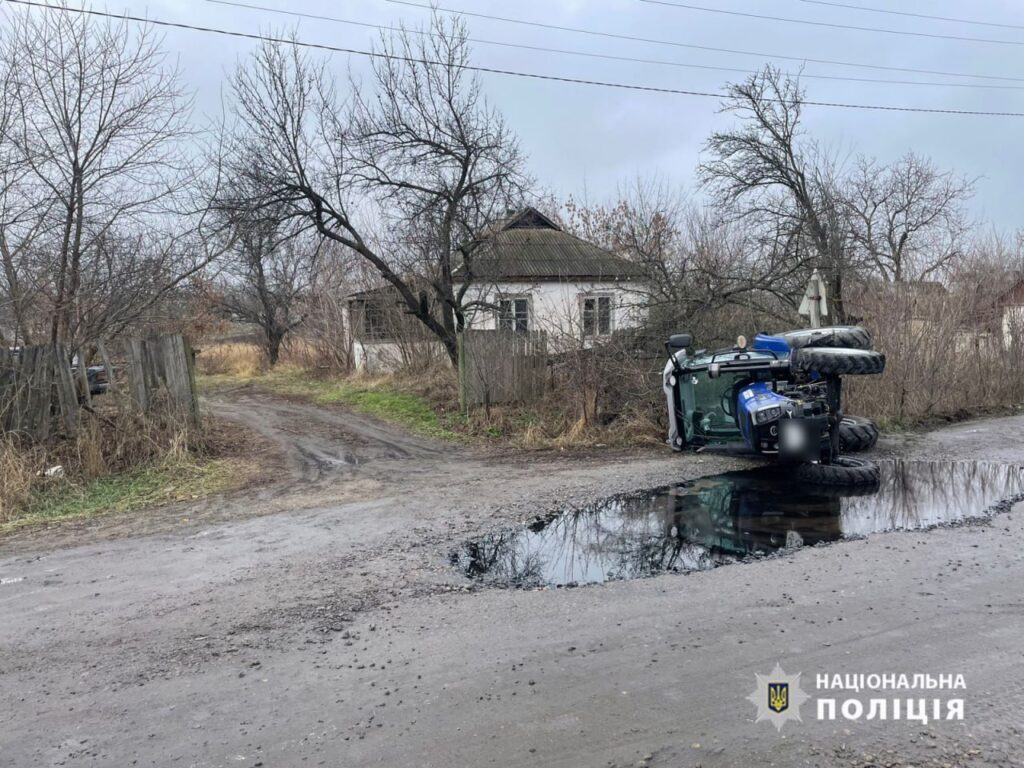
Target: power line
{"x": 493, "y": 70}
{"x": 832, "y": 25}
{"x": 606, "y": 56}
{"x": 916, "y": 15}
{"x": 676, "y": 44}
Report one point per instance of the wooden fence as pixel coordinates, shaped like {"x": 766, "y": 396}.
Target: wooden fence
{"x": 42, "y": 391}
{"x": 38, "y": 395}
{"x": 501, "y": 367}
{"x": 166, "y": 363}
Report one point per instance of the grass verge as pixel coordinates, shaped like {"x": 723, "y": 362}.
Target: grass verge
{"x": 172, "y": 481}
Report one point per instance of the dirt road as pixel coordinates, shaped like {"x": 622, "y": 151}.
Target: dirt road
{"x": 317, "y": 622}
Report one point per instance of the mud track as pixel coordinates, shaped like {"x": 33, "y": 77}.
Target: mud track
{"x": 323, "y": 445}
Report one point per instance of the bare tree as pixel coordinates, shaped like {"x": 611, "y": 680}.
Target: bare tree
{"x": 647, "y": 224}
{"x": 22, "y": 215}
{"x": 325, "y": 309}
{"x": 266, "y": 278}
{"x": 768, "y": 174}
{"x": 96, "y": 138}
{"x": 908, "y": 218}
{"x": 421, "y": 158}
{"x": 708, "y": 273}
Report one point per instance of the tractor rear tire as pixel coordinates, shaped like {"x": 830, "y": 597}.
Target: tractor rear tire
{"x": 843, "y": 470}
{"x": 830, "y": 361}
{"x": 837, "y": 491}
{"x": 857, "y": 434}
{"x": 848, "y": 336}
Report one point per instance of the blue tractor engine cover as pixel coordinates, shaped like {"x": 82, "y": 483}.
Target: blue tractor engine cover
{"x": 765, "y": 343}
{"x": 758, "y": 409}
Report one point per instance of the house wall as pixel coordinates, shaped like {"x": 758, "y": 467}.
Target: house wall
{"x": 1013, "y": 324}
{"x": 556, "y": 308}
{"x": 390, "y": 356}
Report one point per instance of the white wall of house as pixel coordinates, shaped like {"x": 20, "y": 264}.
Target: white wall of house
{"x": 554, "y": 307}
{"x": 390, "y": 356}
{"x": 557, "y": 307}
{"x": 1013, "y": 323}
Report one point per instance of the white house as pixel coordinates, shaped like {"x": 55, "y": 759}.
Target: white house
{"x": 1012, "y": 304}
{"x": 526, "y": 274}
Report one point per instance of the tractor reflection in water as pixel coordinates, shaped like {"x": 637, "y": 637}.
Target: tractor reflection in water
{"x": 720, "y": 519}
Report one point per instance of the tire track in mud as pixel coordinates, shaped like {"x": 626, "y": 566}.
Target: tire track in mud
{"x": 323, "y": 444}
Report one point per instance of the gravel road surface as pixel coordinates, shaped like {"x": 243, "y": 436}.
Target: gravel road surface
{"x": 316, "y": 621}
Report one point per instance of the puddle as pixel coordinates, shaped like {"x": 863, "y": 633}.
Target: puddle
{"x": 724, "y": 518}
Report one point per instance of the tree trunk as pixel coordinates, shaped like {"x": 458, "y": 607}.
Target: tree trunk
{"x": 838, "y": 306}
{"x": 274, "y": 340}
{"x": 452, "y": 348}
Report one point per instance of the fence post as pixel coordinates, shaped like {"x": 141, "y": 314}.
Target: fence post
{"x": 138, "y": 382}
{"x": 8, "y": 388}
{"x": 21, "y": 417}
{"x": 44, "y": 394}
{"x": 179, "y": 376}
{"x": 101, "y": 347}
{"x": 460, "y": 346}
{"x": 66, "y": 395}
{"x": 83, "y": 379}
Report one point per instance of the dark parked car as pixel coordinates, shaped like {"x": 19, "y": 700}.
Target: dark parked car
{"x": 96, "y": 375}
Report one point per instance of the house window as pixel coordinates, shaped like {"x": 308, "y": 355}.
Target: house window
{"x": 514, "y": 314}
{"x": 597, "y": 315}
{"x": 374, "y": 321}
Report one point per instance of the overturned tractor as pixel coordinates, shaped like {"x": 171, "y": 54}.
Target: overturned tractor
{"x": 781, "y": 396}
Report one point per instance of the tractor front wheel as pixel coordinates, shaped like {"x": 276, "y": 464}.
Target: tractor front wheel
{"x": 832, "y": 361}
{"x": 857, "y": 434}
{"x": 849, "y": 336}
{"x": 842, "y": 471}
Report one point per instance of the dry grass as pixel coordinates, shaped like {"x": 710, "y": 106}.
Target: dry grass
{"x": 555, "y": 423}
{"x": 143, "y": 488}
{"x": 119, "y": 459}
{"x": 244, "y": 360}
{"x": 943, "y": 361}
{"x": 247, "y": 359}
{"x": 18, "y": 470}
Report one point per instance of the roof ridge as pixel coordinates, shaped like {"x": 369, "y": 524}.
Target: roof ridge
{"x": 521, "y": 214}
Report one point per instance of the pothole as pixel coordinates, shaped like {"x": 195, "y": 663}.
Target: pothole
{"x": 724, "y": 518}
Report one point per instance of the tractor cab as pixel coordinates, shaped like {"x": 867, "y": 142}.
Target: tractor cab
{"x": 719, "y": 394}
{"x": 780, "y": 396}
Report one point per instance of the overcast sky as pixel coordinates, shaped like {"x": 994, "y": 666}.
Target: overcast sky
{"x": 585, "y": 137}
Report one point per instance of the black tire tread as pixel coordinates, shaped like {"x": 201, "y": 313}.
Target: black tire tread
{"x": 837, "y": 491}
{"x": 857, "y": 434}
{"x": 842, "y": 471}
{"x": 847, "y": 336}
{"x": 834, "y": 361}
